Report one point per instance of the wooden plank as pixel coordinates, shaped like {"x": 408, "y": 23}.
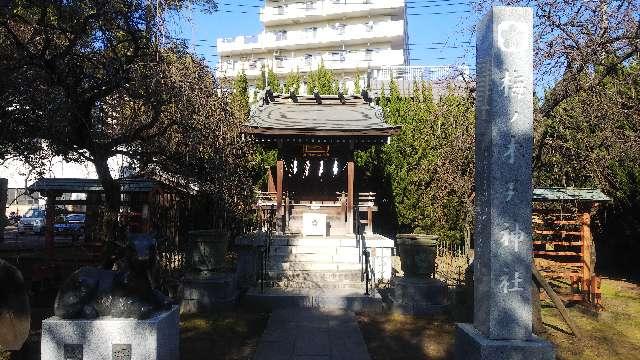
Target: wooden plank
{"x": 557, "y": 232}
{"x": 556, "y": 253}
{"x": 550, "y": 242}
{"x": 571, "y": 263}
{"x": 555, "y": 299}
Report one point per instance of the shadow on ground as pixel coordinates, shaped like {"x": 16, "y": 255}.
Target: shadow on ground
{"x": 393, "y": 336}
{"x": 225, "y": 335}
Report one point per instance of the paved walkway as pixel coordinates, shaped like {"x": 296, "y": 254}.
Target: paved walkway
{"x": 310, "y": 334}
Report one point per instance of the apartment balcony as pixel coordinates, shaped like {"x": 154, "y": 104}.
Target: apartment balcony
{"x": 416, "y": 73}
{"x": 278, "y": 13}
{"x": 314, "y": 37}
{"x": 338, "y": 61}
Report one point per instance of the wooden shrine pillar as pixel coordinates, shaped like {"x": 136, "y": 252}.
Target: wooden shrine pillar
{"x": 587, "y": 271}
{"x": 350, "y": 194}
{"x": 50, "y": 219}
{"x": 279, "y": 180}
{"x": 271, "y": 185}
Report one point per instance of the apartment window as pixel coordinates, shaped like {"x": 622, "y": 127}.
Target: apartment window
{"x": 338, "y": 56}
{"x": 281, "y": 35}
{"x": 338, "y": 1}
{"x": 311, "y": 32}
{"x": 368, "y": 55}
{"x": 280, "y": 10}
{"x": 310, "y": 5}
{"x": 369, "y": 26}
{"x": 280, "y": 61}
{"x": 339, "y": 28}
{"x": 308, "y": 59}
{"x": 253, "y": 64}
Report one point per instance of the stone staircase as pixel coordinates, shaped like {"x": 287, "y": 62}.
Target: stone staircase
{"x": 314, "y": 263}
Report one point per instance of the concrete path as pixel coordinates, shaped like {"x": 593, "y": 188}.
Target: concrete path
{"x": 311, "y": 334}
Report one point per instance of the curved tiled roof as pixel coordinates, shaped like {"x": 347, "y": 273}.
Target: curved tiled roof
{"x": 352, "y": 116}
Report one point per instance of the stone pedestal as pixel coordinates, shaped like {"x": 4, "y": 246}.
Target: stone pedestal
{"x": 418, "y": 296}
{"x": 472, "y": 345}
{"x": 213, "y": 292}
{"x": 156, "y": 338}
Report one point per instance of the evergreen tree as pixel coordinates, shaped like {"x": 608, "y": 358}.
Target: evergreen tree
{"x": 293, "y": 82}
{"x": 272, "y": 81}
{"x": 262, "y": 78}
{"x": 240, "y": 96}
{"x": 357, "y": 87}
{"x": 322, "y": 80}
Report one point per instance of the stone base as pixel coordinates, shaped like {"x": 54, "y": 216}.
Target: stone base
{"x": 414, "y": 296}
{"x": 470, "y": 344}
{"x": 156, "y": 338}
{"x": 212, "y": 293}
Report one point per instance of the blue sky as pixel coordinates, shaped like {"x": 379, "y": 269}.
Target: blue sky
{"x": 438, "y": 29}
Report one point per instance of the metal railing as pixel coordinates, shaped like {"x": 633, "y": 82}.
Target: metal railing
{"x": 364, "y": 254}
{"x": 267, "y": 218}
{"x": 428, "y": 73}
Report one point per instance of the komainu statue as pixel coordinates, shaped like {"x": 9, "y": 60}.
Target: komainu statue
{"x": 15, "y": 314}
{"x": 126, "y": 292}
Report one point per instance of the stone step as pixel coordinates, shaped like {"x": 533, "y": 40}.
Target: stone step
{"x": 314, "y": 266}
{"x": 324, "y": 250}
{"x": 315, "y": 276}
{"x": 315, "y": 241}
{"x": 324, "y": 299}
{"x": 301, "y": 284}
{"x": 316, "y": 258}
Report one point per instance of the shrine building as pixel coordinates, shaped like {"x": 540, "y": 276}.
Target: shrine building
{"x": 324, "y": 217}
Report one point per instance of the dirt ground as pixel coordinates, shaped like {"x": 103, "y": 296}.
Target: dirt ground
{"x": 614, "y": 334}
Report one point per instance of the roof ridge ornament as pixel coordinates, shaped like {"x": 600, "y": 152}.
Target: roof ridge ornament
{"x": 341, "y": 97}
{"x": 316, "y": 95}
{"x": 365, "y": 96}
{"x": 269, "y": 92}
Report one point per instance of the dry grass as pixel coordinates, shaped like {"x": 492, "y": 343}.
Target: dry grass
{"x": 614, "y": 334}
{"x": 224, "y": 335}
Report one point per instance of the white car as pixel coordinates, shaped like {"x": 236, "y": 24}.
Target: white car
{"x": 33, "y": 221}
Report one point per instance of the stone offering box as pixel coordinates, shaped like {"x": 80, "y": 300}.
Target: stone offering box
{"x": 413, "y": 296}
{"x": 214, "y": 292}
{"x": 156, "y": 338}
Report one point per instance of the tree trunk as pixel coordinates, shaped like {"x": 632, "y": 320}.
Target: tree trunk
{"x": 110, "y": 227}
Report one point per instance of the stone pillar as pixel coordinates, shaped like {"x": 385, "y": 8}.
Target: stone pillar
{"x": 503, "y": 248}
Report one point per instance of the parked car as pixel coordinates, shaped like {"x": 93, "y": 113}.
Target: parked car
{"x": 73, "y": 223}
{"x": 14, "y": 218}
{"x": 33, "y": 221}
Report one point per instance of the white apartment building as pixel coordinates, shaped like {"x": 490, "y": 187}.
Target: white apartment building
{"x": 347, "y": 36}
